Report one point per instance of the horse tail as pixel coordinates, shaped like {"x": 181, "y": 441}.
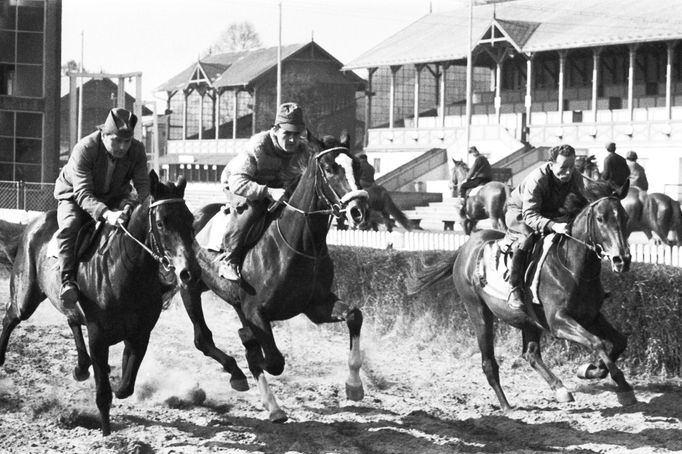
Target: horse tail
{"x": 397, "y": 213}
{"x": 677, "y": 221}
{"x": 431, "y": 275}
{"x": 10, "y": 234}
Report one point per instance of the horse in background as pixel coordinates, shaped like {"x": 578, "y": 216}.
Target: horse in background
{"x": 287, "y": 272}
{"x": 382, "y": 209}
{"x": 123, "y": 283}
{"x": 567, "y": 285}
{"x": 487, "y": 202}
{"x": 656, "y": 215}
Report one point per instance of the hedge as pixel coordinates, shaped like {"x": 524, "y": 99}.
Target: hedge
{"x": 644, "y": 305}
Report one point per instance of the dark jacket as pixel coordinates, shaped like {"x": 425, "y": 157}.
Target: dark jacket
{"x": 82, "y": 178}
{"x": 262, "y": 164}
{"x": 366, "y": 174}
{"x": 540, "y": 196}
{"x": 480, "y": 169}
{"x": 616, "y": 169}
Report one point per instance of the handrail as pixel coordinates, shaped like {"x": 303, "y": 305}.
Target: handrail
{"x": 413, "y": 169}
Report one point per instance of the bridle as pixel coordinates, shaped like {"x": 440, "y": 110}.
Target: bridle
{"x": 591, "y": 243}
{"x": 156, "y": 251}
{"x": 336, "y": 204}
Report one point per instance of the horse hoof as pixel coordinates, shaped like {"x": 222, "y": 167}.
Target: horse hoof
{"x": 123, "y": 393}
{"x": 563, "y": 395}
{"x": 354, "y": 392}
{"x": 586, "y": 371}
{"x": 278, "y": 416}
{"x": 240, "y": 384}
{"x": 80, "y": 374}
{"x": 626, "y": 398}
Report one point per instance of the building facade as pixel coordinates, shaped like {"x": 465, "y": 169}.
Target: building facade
{"x": 30, "y": 54}
{"x": 216, "y": 104}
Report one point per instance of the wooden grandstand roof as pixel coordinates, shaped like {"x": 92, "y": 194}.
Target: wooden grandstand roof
{"x": 533, "y": 25}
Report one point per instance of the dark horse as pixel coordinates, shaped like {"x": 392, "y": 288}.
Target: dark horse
{"x": 382, "y": 209}
{"x": 287, "y": 272}
{"x": 653, "y": 213}
{"x": 121, "y": 285}
{"x": 569, "y": 290}
{"x": 489, "y": 202}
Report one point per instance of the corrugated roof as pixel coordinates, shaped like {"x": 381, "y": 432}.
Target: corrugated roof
{"x": 560, "y": 25}
{"x": 519, "y": 32}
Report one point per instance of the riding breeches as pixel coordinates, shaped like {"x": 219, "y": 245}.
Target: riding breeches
{"x": 70, "y": 218}
{"x": 464, "y": 187}
{"x": 238, "y": 227}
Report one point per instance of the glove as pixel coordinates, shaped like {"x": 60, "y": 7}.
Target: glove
{"x": 275, "y": 193}
{"x": 560, "y": 227}
{"x": 113, "y": 217}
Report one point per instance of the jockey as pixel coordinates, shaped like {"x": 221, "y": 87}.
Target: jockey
{"x": 366, "y": 172}
{"x": 637, "y": 174}
{"x": 256, "y": 177}
{"x": 95, "y": 184}
{"x": 615, "y": 169}
{"x": 535, "y": 206}
{"x": 479, "y": 174}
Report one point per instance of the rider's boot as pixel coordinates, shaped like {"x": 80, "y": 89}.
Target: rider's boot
{"x": 516, "y": 296}
{"x": 68, "y": 294}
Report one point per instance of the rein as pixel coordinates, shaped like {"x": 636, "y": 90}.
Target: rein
{"x": 161, "y": 255}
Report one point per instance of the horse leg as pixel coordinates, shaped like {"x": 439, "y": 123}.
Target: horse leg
{"x": 335, "y": 310}
{"x": 80, "y": 372}
{"x": 562, "y": 325}
{"x": 482, "y": 319}
{"x": 531, "y": 352}
{"x": 603, "y": 329}
{"x": 133, "y": 353}
{"x": 203, "y": 338}
{"x": 254, "y": 356}
{"x": 99, "y": 351}
{"x": 24, "y": 300}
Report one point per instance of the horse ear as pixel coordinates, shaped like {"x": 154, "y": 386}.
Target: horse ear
{"x": 180, "y": 184}
{"x": 153, "y": 182}
{"x": 344, "y": 139}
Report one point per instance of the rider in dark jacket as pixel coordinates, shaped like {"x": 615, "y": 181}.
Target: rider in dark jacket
{"x": 615, "y": 170}
{"x": 535, "y": 207}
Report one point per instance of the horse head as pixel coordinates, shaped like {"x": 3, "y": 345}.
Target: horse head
{"x": 170, "y": 234}
{"x": 601, "y": 225}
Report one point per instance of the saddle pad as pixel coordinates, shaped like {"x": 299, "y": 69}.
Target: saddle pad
{"x": 475, "y": 190}
{"x": 211, "y": 236}
{"x": 53, "y": 247}
{"x": 492, "y": 269}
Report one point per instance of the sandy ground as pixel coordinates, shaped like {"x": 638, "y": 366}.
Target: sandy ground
{"x": 420, "y": 398}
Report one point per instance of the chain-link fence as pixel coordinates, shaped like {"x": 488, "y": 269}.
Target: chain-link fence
{"x": 20, "y": 195}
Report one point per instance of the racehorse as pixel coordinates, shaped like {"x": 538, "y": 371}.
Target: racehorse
{"x": 653, "y": 213}
{"x": 568, "y": 287}
{"x": 382, "y": 208}
{"x": 287, "y": 272}
{"x": 121, "y": 285}
{"x": 488, "y": 202}
{"x": 649, "y": 213}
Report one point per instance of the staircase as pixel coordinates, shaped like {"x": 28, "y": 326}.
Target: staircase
{"x": 438, "y": 215}
{"x": 522, "y": 162}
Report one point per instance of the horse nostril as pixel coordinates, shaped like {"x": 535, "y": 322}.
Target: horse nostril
{"x": 185, "y": 276}
{"x": 356, "y": 214}
{"x": 617, "y": 260}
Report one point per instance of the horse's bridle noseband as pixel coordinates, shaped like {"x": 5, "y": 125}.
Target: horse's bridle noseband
{"x": 591, "y": 243}
{"x": 156, "y": 251}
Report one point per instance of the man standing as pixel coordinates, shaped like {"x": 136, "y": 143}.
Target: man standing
{"x": 256, "y": 177}
{"x": 95, "y": 184}
{"x": 366, "y": 172}
{"x": 616, "y": 170}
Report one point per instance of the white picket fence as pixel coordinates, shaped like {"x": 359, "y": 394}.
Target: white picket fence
{"x": 425, "y": 241}
{"x": 448, "y": 241}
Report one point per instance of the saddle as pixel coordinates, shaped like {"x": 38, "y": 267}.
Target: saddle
{"x": 86, "y": 241}
{"x": 211, "y": 236}
{"x": 494, "y": 262}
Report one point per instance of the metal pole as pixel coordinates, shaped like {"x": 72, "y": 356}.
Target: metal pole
{"x": 469, "y": 76}
{"x": 279, "y": 59}
{"x": 80, "y": 96}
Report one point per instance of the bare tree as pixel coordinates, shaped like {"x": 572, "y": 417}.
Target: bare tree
{"x": 236, "y": 37}
{"x": 69, "y": 66}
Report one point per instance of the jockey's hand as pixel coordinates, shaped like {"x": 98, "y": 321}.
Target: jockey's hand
{"x": 560, "y": 227}
{"x": 113, "y": 217}
{"x": 275, "y": 194}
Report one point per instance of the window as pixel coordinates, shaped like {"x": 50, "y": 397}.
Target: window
{"x": 21, "y": 145}
{"x": 22, "y": 26}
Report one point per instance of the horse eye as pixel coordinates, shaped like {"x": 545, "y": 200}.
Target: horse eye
{"x": 600, "y": 219}
{"x": 159, "y": 224}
